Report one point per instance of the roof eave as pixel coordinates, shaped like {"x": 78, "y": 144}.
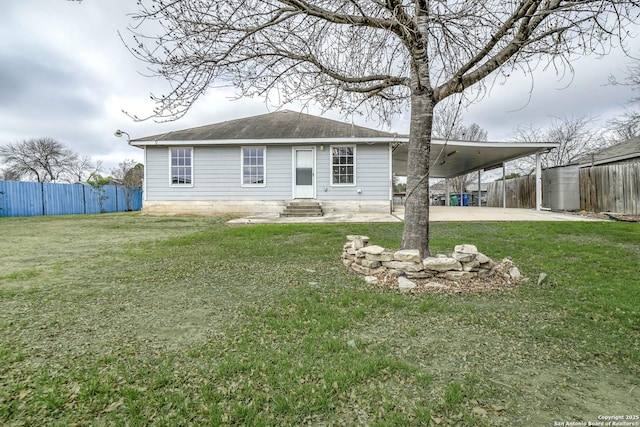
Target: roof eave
{"x": 274, "y": 141}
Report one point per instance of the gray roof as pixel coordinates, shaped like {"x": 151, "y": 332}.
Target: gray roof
{"x": 279, "y": 125}
{"x": 623, "y": 151}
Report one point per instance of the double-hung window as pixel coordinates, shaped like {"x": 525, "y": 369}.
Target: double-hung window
{"x": 181, "y": 166}
{"x": 254, "y": 166}
{"x": 343, "y": 165}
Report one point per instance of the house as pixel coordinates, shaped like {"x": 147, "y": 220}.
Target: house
{"x": 259, "y": 164}
{"x": 268, "y": 163}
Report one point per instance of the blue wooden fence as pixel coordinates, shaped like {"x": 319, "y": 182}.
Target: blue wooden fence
{"x": 19, "y": 198}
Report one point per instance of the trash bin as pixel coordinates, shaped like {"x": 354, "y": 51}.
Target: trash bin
{"x": 453, "y": 200}
{"x": 465, "y": 199}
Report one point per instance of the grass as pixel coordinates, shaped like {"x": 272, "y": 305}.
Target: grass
{"x": 125, "y": 319}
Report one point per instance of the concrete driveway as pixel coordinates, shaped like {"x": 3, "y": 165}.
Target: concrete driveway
{"x": 436, "y": 214}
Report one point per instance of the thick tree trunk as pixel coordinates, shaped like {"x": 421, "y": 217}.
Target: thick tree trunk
{"x": 416, "y": 218}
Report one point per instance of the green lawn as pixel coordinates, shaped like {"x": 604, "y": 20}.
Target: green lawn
{"x": 131, "y": 320}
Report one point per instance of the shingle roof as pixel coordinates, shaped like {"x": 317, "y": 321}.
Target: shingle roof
{"x": 623, "y": 151}
{"x": 279, "y": 125}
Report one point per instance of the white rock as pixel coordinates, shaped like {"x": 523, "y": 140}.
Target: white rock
{"x": 471, "y": 266}
{"x": 407, "y": 255}
{"x": 482, "y": 258}
{"x": 371, "y": 279}
{"x": 441, "y": 264}
{"x": 368, "y": 263}
{"x": 405, "y": 284}
{"x": 466, "y": 249}
{"x": 514, "y": 273}
{"x": 404, "y": 266}
{"x": 385, "y": 256}
{"x": 457, "y": 275}
{"x": 373, "y": 249}
{"x": 463, "y": 257}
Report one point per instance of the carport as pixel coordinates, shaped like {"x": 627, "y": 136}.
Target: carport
{"x": 450, "y": 159}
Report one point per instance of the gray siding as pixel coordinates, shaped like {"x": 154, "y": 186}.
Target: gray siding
{"x": 217, "y": 175}
{"x": 372, "y": 175}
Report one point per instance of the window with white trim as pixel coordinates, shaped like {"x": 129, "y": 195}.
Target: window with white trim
{"x": 343, "y": 164}
{"x": 254, "y": 166}
{"x": 181, "y": 166}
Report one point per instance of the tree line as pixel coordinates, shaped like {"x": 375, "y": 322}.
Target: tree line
{"x": 48, "y": 160}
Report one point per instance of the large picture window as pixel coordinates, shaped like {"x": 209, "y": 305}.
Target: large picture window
{"x": 181, "y": 166}
{"x": 253, "y": 166}
{"x": 343, "y": 165}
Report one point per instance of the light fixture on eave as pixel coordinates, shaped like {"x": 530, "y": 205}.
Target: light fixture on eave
{"x": 118, "y": 133}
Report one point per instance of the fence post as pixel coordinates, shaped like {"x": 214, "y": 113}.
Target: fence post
{"x": 44, "y": 209}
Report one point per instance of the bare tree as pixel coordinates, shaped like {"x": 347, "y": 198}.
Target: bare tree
{"x": 448, "y": 124}
{"x": 627, "y": 126}
{"x": 129, "y": 174}
{"x": 82, "y": 168}
{"x": 9, "y": 175}
{"x": 41, "y": 159}
{"x": 574, "y": 134}
{"x": 379, "y": 55}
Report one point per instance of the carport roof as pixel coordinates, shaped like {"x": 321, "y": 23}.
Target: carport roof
{"x": 449, "y": 159}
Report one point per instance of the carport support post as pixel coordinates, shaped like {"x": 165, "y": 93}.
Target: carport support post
{"x": 504, "y": 186}
{"x": 538, "y": 182}
{"x": 479, "y": 190}
{"x": 446, "y": 192}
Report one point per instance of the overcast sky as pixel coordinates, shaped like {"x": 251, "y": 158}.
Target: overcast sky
{"x": 65, "y": 74}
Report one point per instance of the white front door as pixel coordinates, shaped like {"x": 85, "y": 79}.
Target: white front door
{"x": 303, "y": 173}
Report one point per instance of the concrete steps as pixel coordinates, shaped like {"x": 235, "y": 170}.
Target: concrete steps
{"x": 302, "y": 208}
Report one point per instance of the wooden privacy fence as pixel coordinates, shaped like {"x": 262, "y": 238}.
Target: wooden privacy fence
{"x": 19, "y": 198}
{"x": 521, "y": 193}
{"x": 611, "y": 188}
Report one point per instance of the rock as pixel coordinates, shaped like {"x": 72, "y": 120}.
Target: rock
{"x": 542, "y": 278}
{"x": 349, "y": 253}
{"x": 368, "y": 263}
{"x": 365, "y": 270}
{"x": 347, "y": 262}
{"x": 420, "y": 275}
{"x": 404, "y": 266}
{"x": 407, "y": 255}
{"x": 371, "y": 279}
{"x": 358, "y": 243}
{"x": 471, "y": 266}
{"x": 482, "y": 258}
{"x": 483, "y": 273}
{"x": 373, "y": 249}
{"x": 462, "y": 257}
{"x": 405, "y": 284}
{"x": 514, "y": 273}
{"x": 457, "y": 275}
{"x": 466, "y": 249}
{"x": 385, "y": 256}
{"x": 441, "y": 264}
